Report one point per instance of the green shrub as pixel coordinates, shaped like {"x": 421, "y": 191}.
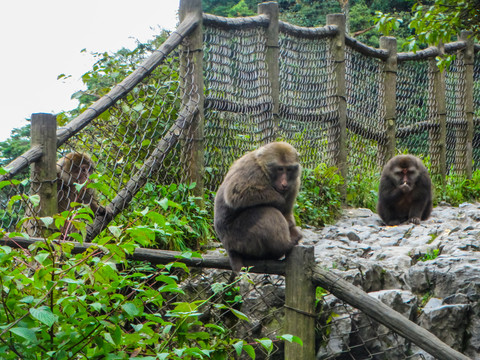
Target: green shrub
{"x": 319, "y": 200}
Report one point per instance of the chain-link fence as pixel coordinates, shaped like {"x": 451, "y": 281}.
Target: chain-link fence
{"x": 155, "y": 125}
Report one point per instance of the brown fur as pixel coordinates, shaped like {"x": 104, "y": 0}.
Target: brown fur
{"x": 76, "y": 168}
{"x": 405, "y": 192}
{"x": 254, "y": 204}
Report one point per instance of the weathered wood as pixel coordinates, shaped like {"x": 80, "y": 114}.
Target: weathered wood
{"x": 120, "y": 90}
{"x": 192, "y": 85}
{"x": 155, "y": 256}
{"x": 300, "y": 303}
{"x": 438, "y": 112}
{"x": 337, "y": 134}
{"x": 469, "y": 60}
{"x": 235, "y": 23}
{"x": 271, "y": 58}
{"x": 307, "y": 32}
{"x": 365, "y": 49}
{"x": 384, "y": 315}
{"x": 428, "y": 53}
{"x": 44, "y": 171}
{"x": 387, "y": 151}
{"x": 151, "y": 165}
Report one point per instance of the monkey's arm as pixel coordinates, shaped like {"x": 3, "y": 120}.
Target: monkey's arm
{"x": 252, "y": 190}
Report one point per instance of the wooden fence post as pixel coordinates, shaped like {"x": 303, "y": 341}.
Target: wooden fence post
{"x": 337, "y": 133}
{"x": 300, "y": 303}
{"x": 191, "y": 73}
{"x": 271, "y": 58}
{"x": 387, "y": 151}
{"x": 43, "y": 175}
{"x": 468, "y": 59}
{"x": 438, "y": 113}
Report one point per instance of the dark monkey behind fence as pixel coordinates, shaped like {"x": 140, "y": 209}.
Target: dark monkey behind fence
{"x": 405, "y": 192}
{"x": 254, "y": 204}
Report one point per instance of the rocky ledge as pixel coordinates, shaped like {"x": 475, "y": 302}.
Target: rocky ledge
{"x": 434, "y": 266}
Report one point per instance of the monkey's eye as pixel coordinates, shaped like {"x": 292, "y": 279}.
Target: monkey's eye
{"x": 280, "y": 169}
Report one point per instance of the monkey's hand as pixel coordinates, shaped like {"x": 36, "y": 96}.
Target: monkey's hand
{"x": 405, "y": 188}
{"x": 414, "y": 220}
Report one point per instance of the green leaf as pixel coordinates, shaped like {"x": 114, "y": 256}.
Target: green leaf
{"x": 44, "y": 315}
{"x": 240, "y": 315}
{"x": 131, "y": 309}
{"x": 249, "y": 350}
{"x": 266, "y": 343}
{"x": 291, "y": 338}
{"x": 26, "y": 333}
{"x": 238, "y": 346}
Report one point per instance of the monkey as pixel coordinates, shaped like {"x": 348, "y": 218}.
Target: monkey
{"x": 253, "y": 207}
{"x": 405, "y": 192}
{"x": 75, "y": 168}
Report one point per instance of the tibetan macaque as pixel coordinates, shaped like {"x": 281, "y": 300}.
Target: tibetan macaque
{"x": 254, "y": 205}
{"x": 71, "y": 169}
{"x": 405, "y": 191}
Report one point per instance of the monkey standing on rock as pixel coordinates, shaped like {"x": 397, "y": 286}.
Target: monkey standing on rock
{"x": 254, "y": 204}
{"x": 405, "y": 191}
{"x": 75, "y": 168}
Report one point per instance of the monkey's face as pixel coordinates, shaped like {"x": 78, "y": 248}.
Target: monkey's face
{"x": 405, "y": 178}
{"x": 283, "y": 177}
{"x": 80, "y": 174}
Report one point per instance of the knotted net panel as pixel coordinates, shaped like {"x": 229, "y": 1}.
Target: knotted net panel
{"x": 365, "y": 111}
{"x": 417, "y": 120}
{"x": 308, "y": 106}
{"x": 456, "y": 139}
{"x": 476, "y": 112}
{"x": 238, "y": 104}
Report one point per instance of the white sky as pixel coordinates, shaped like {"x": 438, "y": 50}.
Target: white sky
{"x": 41, "y": 39}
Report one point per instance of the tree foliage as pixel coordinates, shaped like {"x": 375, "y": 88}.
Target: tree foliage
{"x": 437, "y": 21}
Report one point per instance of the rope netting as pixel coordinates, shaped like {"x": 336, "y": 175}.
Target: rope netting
{"x": 308, "y": 107}
{"x": 476, "y": 112}
{"x": 456, "y": 145}
{"x": 365, "y": 111}
{"x": 238, "y": 105}
{"x": 416, "y": 115}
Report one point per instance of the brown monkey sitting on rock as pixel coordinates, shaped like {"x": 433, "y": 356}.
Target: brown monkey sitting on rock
{"x": 254, "y": 204}
{"x": 405, "y": 192}
{"x": 76, "y": 168}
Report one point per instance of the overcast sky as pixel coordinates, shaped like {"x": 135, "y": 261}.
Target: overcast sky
{"x": 43, "y": 39}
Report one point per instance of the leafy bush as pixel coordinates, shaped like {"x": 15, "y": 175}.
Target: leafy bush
{"x": 456, "y": 189}
{"x": 172, "y": 216}
{"x": 58, "y": 304}
{"x": 319, "y": 200}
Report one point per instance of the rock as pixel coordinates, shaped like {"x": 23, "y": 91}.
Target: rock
{"x": 440, "y": 258}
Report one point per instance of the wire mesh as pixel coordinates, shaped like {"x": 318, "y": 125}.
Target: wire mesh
{"x": 120, "y": 140}
{"x": 344, "y": 332}
{"x": 308, "y": 107}
{"x": 238, "y": 104}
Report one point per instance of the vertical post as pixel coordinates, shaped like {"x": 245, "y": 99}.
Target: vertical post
{"x": 300, "y": 303}
{"x": 438, "y": 109}
{"x": 468, "y": 58}
{"x": 272, "y": 60}
{"x": 337, "y": 134}
{"x": 44, "y": 172}
{"x": 191, "y": 74}
{"x": 387, "y": 151}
